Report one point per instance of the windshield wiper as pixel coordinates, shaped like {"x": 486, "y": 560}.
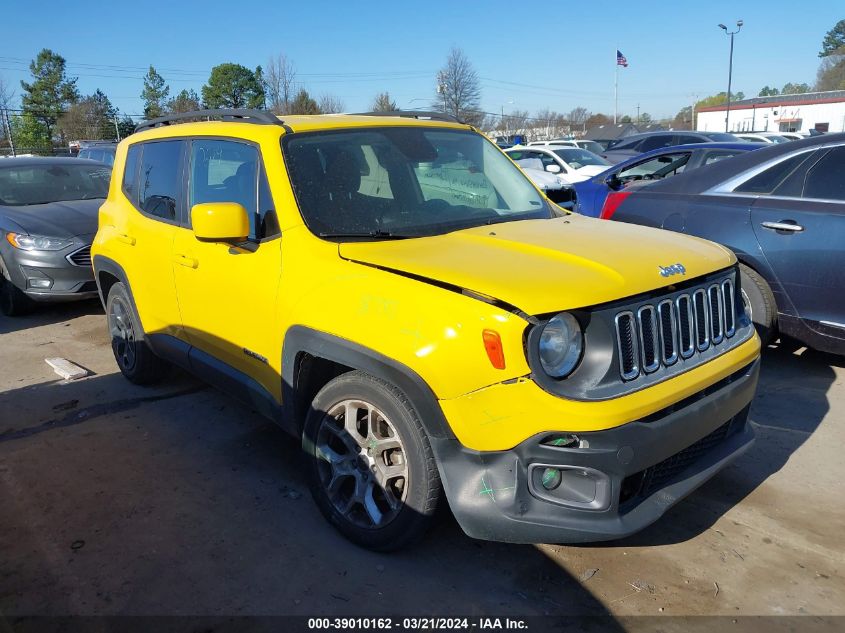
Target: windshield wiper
{"x": 378, "y": 234}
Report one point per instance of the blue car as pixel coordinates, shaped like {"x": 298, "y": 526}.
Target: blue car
{"x": 655, "y": 165}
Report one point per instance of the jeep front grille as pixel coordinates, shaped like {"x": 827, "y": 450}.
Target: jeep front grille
{"x": 657, "y": 335}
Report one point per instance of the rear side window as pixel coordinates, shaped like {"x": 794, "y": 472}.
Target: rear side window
{"x": 632, "y": 144}
{"x": 160, "y": 179}
{"x": 768, "y": 180}
{"x": 826, "y": 179}
{"x": 130, "y": 173}
{"x": 656, "y": 142}
{"x": 686, "y": 139}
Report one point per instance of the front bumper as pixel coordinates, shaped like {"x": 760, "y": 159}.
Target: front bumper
{"x": 646, "y": 467}
{"x": 51, "y": 275}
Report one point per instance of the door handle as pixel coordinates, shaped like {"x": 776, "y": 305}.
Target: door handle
{"x": 184, "y": 260}
{"x": 126, "y": 239}
{"x": 783, "y": 226}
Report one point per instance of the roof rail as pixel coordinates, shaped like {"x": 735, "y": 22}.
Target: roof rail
{"x": 415, "y": 114}
{"x": 242, "y": 115}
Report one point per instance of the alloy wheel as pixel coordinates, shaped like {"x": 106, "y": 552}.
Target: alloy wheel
{"x": 122, "y": 334}
{"x": 362, "y": 463}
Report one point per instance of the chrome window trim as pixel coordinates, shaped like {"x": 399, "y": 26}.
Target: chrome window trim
{"x": 635, "y": 371}
{"x": 673, "y": 357}
{"x": 655, "y": 338}
{"x": 727, "y": 187}
{"x": 686, "y": 353}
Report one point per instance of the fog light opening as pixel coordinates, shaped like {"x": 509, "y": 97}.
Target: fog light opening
{"x": 40, "y": 283}
{"x": 551, "y": 478}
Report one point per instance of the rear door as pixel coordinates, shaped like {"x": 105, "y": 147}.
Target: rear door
{"x": 801, "y": 230}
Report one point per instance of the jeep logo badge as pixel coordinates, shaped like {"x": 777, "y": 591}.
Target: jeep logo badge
{"x": 674, "y": 269}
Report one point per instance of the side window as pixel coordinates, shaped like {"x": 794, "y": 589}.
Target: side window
{"x": 130, "y": 173}
{"x": 769, "y": 179}
{"x": 656, "y": 167}
{"x": 226, "y": 171}
{"x": 826, "y": 179}
{"x": 655, "y": 142}
{"x": 686, "y": 139}
{"x": 160, "y": 178}
{"x": 623, "y": 144}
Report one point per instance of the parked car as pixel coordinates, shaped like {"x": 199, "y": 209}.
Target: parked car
{"x": 794, "y": 136}
{"x": 431, "y": 327}
{"x": 48, "y": 217}
{"x": 761, "y": 137}
{"x": 636, "y": 144}
{"x": 781, "y": 209}
{"x": 102, "y": 153}
{"x": 655, "y": 165}
{"x": 592, "y": 146}
{"x": 553, "y": 186}
{"x": 571, "y": 164}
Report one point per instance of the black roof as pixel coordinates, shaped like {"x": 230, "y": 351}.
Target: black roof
{"x": 610, "y": 132}
{"x": 711, "y": 175}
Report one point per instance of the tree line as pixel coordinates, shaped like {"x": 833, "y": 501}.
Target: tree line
{"x": 52, "y": 110}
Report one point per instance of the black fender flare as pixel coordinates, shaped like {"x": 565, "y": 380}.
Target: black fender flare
{"x": 103, "y": 264}
{"x": 301, "y": 339}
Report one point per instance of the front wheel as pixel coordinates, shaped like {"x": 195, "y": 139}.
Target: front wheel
{"x": 759, "y": 302}
{"x": 371, "y": 470}
{"x": 13, "y": 302}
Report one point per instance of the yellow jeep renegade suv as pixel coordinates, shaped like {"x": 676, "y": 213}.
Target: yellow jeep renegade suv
{"x": 395, "y": 292}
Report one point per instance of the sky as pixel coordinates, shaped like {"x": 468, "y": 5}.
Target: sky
{"x": 528, "y": 56}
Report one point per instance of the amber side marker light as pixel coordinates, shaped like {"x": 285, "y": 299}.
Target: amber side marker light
{"x": 493, "y": 347}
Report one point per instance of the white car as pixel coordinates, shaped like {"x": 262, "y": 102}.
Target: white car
{"x": 587, "y": 144}
{"x": 794, "y": 136}
{"x": 572, "y": 164}
{"x": 762, "y": 137}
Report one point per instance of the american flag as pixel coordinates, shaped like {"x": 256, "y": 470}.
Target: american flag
{"x": 620, "y": 59}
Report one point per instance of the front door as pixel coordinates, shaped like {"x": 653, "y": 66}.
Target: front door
{"x": 227, "y": 293}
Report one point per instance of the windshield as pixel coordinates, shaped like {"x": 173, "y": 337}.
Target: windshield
{"x": 41, "y": 184}
{"x": 592, "y": 146}
{"x": 578, "y": 158}
{"x": 775, "y": 138}
{"x": 405, "y": 182}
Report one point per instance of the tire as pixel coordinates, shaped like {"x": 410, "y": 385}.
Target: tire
{"x": 760, "y": 300}
{"x": 379, "y": 484}
{"x": 136, "y": 360}
{"x": 13, "y": 302}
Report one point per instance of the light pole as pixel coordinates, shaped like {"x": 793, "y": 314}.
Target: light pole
{"x": 730, "y": 66}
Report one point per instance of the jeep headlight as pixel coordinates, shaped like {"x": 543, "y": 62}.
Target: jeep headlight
{"x": 560, "y": 346}
{"x": 36, "y": 242}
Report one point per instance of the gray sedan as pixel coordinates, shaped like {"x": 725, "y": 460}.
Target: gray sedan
{"x": 48, "y": 218}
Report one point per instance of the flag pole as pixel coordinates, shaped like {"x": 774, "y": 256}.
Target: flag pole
{"x": 616, "y": 87}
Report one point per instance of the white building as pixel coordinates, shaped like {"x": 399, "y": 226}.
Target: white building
{"x": 822, "y": 111}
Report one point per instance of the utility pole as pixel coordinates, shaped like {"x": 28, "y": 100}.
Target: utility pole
{"x": 638, "y": 115}
{"x": 730, "y": 67}
{"x": 116, "y": 129}
{"x": 7, "y": 127}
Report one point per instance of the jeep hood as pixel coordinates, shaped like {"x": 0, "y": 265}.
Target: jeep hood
{"x": 543, "y": 266}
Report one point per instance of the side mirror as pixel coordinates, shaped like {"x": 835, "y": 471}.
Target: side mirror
{"x": 553, "y": 169}
{"x": 220, "y": 222}
{"x": 613, "y": 182}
